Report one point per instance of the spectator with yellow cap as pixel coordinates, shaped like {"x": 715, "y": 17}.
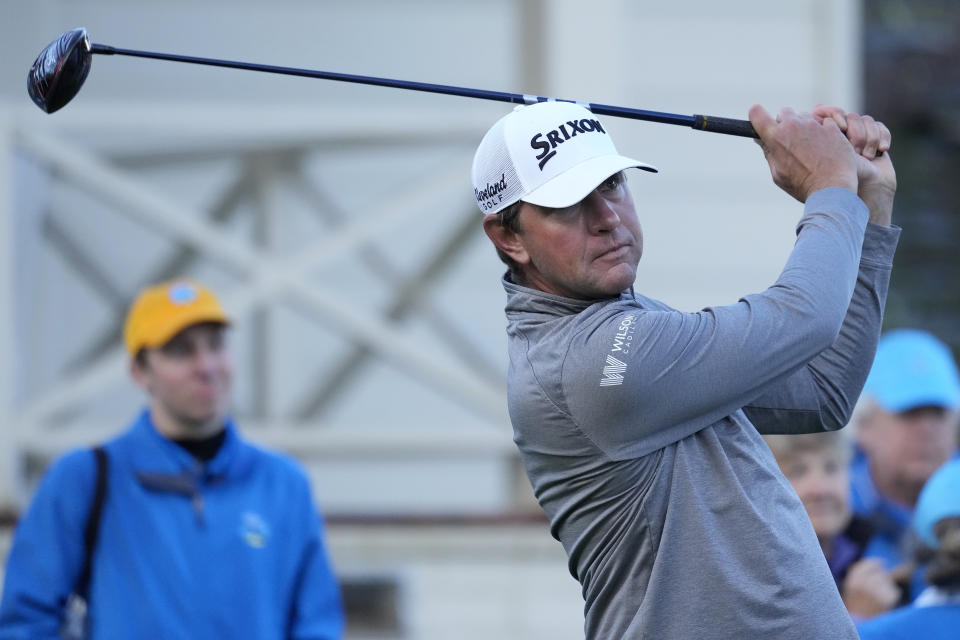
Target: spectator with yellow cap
{"x": 182, "y": 529}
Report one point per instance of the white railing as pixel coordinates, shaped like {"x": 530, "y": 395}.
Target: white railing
{"x": 88, "y": 154}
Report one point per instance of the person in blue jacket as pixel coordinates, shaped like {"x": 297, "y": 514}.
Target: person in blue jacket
{"x": 906, "y": 425}
{"x": 935, "y": 614}
{"x": 201, "y": 534}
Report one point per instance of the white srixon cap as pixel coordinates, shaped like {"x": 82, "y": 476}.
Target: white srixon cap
{"x": 551, "y": 154}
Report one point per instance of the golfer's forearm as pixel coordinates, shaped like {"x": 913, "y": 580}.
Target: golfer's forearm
{"x": 822, "y": 395}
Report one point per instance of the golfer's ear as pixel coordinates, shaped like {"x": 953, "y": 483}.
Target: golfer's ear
{"x": 506, "y": 240}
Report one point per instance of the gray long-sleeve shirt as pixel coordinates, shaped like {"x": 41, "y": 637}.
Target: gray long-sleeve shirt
{"x": 638, "y": 427}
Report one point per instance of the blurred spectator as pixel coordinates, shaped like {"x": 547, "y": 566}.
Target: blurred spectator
{"x": 816, "y": 464}
{"x": 935, "y": 614}
{"x": 906, "y": 428}
{"x": 201, "y": 534}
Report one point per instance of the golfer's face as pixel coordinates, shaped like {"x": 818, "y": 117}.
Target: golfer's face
{"x": 587, "y": 251}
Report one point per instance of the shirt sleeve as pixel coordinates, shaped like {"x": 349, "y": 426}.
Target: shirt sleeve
{"x": 48, "y": 549}
{"x": 637, "y": 379}
{"x": 821, "y": 395}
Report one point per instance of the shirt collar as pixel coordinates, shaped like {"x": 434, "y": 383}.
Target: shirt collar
{"x": 154, "y": 452}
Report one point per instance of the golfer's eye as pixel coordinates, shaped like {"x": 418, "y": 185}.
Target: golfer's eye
{"x": 612, "y": 183}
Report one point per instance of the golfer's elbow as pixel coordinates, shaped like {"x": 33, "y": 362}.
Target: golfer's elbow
{"x": 821, "y": 331}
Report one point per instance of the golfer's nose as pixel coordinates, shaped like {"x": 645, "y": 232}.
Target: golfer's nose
{"x": 602, "y": 215}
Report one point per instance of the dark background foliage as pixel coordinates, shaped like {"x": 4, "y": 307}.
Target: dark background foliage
{"x": 912, "y": 83}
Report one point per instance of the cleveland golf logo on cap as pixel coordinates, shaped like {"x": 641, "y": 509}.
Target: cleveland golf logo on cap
{"x": 553, "y": 137}
{"x": 490, "y": 195}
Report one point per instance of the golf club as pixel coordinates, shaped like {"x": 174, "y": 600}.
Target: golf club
{"x": 61, "y": 68}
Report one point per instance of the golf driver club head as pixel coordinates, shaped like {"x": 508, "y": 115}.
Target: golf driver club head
{"x": 59, "y": 71}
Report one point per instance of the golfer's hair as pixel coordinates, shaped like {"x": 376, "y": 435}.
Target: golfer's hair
{"x": 786, "y": 446}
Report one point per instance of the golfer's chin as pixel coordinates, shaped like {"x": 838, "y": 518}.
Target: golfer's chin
{"x": 616, "y": 280}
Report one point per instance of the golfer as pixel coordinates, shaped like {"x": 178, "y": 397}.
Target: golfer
{"x": 639, "y": 425}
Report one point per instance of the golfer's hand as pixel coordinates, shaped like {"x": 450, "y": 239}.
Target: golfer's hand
{"x": 871, "y": 140}
{"x": 805, "y": 153}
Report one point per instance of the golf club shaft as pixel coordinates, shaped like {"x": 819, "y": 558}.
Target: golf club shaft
{"x": 704, "y": 123}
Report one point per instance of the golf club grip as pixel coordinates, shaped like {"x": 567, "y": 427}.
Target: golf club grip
{"x": 729, "y": 126}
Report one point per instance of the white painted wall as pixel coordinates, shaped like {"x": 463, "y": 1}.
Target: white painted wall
{"x": 715, "y": 226}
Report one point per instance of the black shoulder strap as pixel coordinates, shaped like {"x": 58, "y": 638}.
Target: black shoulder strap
{"x": 92, "y": 530}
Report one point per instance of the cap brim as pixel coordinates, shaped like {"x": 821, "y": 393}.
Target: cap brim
{"x": 899, "y": 402}
{"x": 574, "y": 184}
{"x": 171, "y": 331}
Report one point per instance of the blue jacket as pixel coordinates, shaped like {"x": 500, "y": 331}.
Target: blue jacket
{"x": 890, "y": 520}
{"x": 892, "y": 535}
{"x": 229, "y": 549}
{"x": 914, "y": 623}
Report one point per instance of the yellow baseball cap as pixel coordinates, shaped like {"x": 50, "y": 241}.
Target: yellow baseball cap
{"x": 162, "y": 311}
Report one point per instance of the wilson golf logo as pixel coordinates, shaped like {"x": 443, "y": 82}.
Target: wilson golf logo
{"x": 548, "y": 142}
{"x": 491, "y": 195}
{"x": 623, "y": 339}
{"x": 614, "y": 368}
{"x": 613, "y": 372}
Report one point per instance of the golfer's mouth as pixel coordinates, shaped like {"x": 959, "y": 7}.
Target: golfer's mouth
{"x": 617, "y": 251}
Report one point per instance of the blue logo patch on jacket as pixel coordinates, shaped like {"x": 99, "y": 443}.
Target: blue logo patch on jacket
{"x": 254, "y": 530}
